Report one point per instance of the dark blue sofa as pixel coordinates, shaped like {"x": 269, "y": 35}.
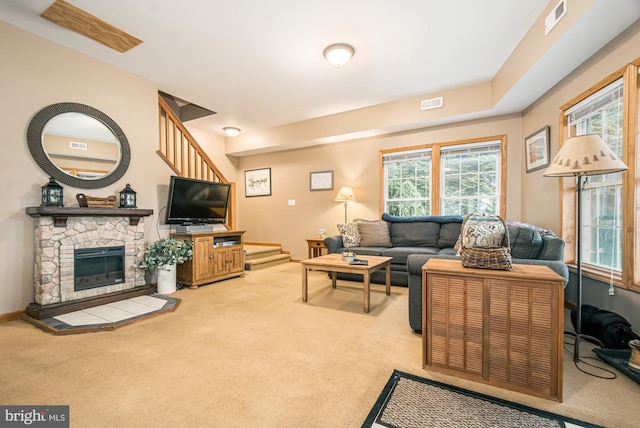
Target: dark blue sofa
{"x": 417, "y": 239}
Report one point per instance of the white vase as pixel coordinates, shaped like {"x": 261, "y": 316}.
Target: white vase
{"x": 167, "y": 279}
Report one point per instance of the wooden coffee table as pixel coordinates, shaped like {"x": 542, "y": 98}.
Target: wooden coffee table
{"x": 333, "y": 263}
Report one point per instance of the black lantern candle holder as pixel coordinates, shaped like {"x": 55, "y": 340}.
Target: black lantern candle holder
{"x": 52, "y": 194}
{"x": 127, "y": 197}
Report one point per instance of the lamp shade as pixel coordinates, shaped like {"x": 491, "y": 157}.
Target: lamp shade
{"x": 345, "y": 195}
{"x": 338, "y": 54}
{"x": 584, "y": 155}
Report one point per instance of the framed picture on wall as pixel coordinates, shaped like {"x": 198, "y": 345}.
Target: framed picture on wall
{"x": 536, "y": 150}
{"x": 321, "y": 180}
{"x": 257, "y": 182}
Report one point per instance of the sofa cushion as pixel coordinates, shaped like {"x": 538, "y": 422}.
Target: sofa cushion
{"x": 552, "y": 248}
{"x": 350, "y": 234}
{"x": 526, "y": 242}
{"x": 448, "y": 252}
{"x": 400, "y": 254}
{"x": 418, "y": 234}
{"x": 449, "y": 234}
{"x": 374, "y": 234}
{"x": 416, "y": 261}
{"x": 368, "y": 251}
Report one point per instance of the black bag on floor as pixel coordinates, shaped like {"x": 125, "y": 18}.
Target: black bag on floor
{"x": 610, "y": 328}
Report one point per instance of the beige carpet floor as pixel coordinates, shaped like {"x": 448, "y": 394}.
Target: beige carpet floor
{"x": 247, "y": 352}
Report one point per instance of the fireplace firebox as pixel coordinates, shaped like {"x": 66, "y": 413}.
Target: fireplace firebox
{"x": 98, "y": 267}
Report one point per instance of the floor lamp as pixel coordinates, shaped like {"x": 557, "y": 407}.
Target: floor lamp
{"x": 345, "y": 195}
{"x": 579, "y": 157}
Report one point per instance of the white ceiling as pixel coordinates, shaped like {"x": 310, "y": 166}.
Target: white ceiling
{"x": 259, "y": 64}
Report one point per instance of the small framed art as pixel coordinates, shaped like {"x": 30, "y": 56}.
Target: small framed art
{"x": 536, "y": 148}
{"x": 321, "y": 180}
{"x": 257, "y": 182}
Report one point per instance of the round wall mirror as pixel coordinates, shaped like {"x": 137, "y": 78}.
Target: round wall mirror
{"x": 78, "y": 145}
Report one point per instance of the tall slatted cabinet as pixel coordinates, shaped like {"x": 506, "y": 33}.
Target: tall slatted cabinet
{"x": 503, "y": 328}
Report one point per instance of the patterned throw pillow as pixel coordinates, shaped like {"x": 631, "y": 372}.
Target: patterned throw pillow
{"x": 350, "y": 235}
{"x": 482, "y": 233}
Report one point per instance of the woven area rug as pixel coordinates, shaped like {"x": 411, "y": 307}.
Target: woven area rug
{"x": 409, "y": 401}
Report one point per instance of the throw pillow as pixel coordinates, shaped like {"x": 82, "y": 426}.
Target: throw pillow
{"x": 374, "y": 234}
{"x": 482, "y": 233}
{"x": 350, "y": 235}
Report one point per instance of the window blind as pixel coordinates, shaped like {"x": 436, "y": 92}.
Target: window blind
{"x": 465, "y": 149}
{"x": 412, "y": 155}
{"x": 595, "y": 102}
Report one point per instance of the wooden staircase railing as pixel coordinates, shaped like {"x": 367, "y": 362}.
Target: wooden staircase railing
{"x": 186, "y": 158}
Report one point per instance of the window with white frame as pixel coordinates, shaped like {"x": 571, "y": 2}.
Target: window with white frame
{"x": 469, "y": 177}
{"x": 407, "y": 183}
{"x": 601, "y": 114}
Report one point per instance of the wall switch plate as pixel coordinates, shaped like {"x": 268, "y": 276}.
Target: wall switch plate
{"x": 292, "y": 202}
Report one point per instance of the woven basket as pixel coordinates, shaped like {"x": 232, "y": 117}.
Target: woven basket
{"x": 497, "y": 258}
{"x": 95, "y": 201}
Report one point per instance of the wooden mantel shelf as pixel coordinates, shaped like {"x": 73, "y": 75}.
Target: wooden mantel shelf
{"x": 60, "y": 214}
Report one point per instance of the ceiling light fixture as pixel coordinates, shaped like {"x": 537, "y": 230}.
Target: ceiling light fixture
{"x": 231, "y": 131}
{"x": 338, "y": 54}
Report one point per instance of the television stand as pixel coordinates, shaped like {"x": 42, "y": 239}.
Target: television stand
{"x": 216, "y": 256}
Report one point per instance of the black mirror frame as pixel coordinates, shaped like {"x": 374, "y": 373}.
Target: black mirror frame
{"x": 34, "y": 141}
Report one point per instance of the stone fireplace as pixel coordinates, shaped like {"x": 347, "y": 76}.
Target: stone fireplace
{"x": 63, "y": 233}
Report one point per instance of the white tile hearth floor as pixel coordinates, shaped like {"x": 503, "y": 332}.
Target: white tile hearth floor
{"x": 108, "y": 316}
{"x": 113, "y": 312}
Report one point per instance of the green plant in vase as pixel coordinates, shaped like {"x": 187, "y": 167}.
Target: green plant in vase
{"x": 166, "y": 252}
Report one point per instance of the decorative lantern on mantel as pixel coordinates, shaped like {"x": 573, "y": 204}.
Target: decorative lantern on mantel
{"x": 127, "y": 197}
{"x": 52, "y": 194}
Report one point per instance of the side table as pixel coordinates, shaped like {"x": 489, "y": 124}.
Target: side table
{"x": 315, "y": 247}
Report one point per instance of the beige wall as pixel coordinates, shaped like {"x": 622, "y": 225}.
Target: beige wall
{"x": 37, "y": 73}
{"x": 355, "y": 164}
{"x": 541, "y": 205}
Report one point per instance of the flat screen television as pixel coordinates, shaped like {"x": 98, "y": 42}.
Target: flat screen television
{"x": 192, "y": 201}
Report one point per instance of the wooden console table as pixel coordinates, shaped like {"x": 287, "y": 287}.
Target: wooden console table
{"x": 503, "y": 328}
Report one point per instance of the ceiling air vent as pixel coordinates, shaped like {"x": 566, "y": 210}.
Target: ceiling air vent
{"x": 432, "y": 103}
{"x": 555, "y": 16}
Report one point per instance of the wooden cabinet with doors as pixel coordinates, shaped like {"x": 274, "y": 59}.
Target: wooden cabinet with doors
{"x": 216, "y": 256}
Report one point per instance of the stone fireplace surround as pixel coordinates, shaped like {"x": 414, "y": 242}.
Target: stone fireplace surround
{"x": 61, "y": 230}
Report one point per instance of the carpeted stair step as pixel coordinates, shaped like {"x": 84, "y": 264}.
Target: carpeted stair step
{"x": 253, "y": 253}
{"x": 265, "y": 262}
{"x": 264, "y": 256}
